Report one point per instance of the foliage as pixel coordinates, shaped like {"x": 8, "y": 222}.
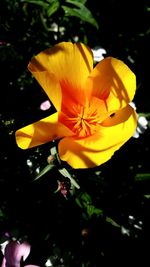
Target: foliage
{"x": 112, "y": 203}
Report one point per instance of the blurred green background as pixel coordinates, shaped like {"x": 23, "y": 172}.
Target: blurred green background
{"x": 108, "y": 218}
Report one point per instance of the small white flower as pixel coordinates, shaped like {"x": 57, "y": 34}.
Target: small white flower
{"x": 76, "y": 38}
{"x": 131, "y": 59}
{"x": 143, "y": 121}
{"x": 132, "y": 104}
{"x": 125, "y": 231}
{"x": 141, "y": 126}
{"x": 98, "y": 53}
{"x": 48, "y": 263}
{"x": 29, "y": 163}
{"x": 54, "y": 27}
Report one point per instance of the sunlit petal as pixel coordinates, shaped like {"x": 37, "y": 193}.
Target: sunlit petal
{"x": 113, "y": 81}
{"x": 97, "y": 149}
{"x": 41, "y": 132}
{"x": 70, "y": 64}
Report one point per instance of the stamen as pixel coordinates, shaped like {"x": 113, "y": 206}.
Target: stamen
{"x": 85, "y": 120}
{"x": 85, "y": 124}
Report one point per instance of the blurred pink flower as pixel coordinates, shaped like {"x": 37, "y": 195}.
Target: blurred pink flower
{"x": 2, "y": 42}
{"x": 45, "y": 105}
{"x": 14, "y": 253}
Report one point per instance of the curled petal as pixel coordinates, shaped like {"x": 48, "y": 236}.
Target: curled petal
{"x": 41, "y": 132}
{"x": 99, "y": 148}
{"x": 113, "y": 81}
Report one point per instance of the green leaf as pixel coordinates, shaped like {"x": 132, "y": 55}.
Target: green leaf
{"x": 53, "y": 150}
{"x": 53, "y": 7}
{"x": 1, "y": 213}
{"x": 111, "y": 221}
{"x": 77, "y": 3}
{"x": 147, "y": 196}
{"x": 79, "y": 202}
{"x": 83, "y": 200}
{"x": 81, "y": 12}
{"x": 44, "y": 171}
{"x": 91, "y": 210}
{"x": 36, "y": 2}
{"x": 142, "y": 176}
{"x": 86, "y": 199}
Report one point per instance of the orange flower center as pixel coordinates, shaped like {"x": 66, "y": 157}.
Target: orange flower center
{"x": 84, "y": 121}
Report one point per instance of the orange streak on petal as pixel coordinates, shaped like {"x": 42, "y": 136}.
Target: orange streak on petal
{"x": 73, "y": 94}
{"x": 66, "y": 62}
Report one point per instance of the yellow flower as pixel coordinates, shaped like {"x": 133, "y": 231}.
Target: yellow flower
{"x": 93, "y": 117}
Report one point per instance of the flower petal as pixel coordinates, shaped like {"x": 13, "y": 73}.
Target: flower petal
{"x": 99, "y": 148}
{"x": 49, "y": 83}
{"x": 3, "y": 262}
{"x": 67, "y": 63}
{"x": 14, "y": 252}
{"x": 113, "y": 81}
{"x": 24, "y": 250}
{"x": 41, "y": 132}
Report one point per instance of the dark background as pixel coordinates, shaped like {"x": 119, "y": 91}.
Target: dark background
{"x": 57, "y": 227}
